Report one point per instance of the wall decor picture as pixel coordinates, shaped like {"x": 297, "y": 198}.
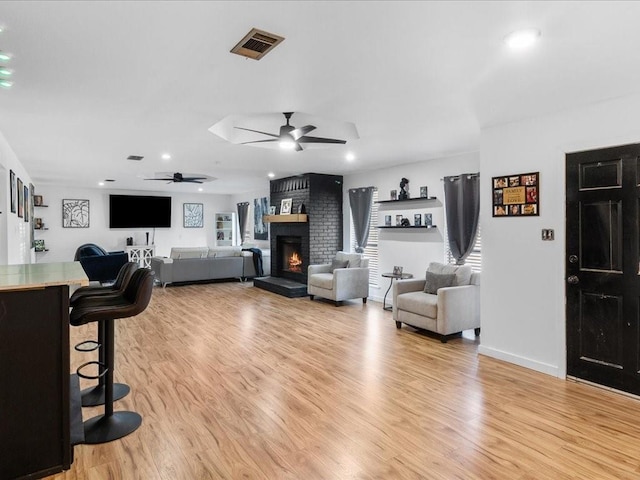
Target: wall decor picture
{"x": 39, "y": 245}
{"x": 272, "y": 210}
{"x": 12, "y": 187}
{"x": 516, "y": 195}
{"x": 192, "y": 215}
{"x": 394, "y": 195}
{"x": 417, "y": 219}
{"x": 428, "y": 220}
{"x": 285, "y": 206}
{"x": 387, "y": 220}
{"x": 397, "y": 271}
{"x": 20, "y": 188}
{"x": 260, "y": 208}
{"x": 398, "y": 220}
{"x": 26, "y": 203}
{"x": 37, "y": 200}
{"x": 75, "y": 213}
{"x": 423, "y": 192}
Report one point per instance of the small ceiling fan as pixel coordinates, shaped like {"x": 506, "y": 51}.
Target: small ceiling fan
{"x": 290, "y": 137}
{"x": 180, "y": 178}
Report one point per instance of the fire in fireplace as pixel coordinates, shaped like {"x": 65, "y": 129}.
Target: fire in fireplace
{"x": 290, "y": 254}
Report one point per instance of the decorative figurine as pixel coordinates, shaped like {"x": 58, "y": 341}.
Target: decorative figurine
{"x": 404, "y": 194}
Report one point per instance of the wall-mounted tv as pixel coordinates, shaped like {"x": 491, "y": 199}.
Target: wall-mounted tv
{"x": 138, "y": 211}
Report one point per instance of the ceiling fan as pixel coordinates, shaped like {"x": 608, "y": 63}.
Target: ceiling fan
{"x": 291, "y": 137}
{"x": 180, "y": 178}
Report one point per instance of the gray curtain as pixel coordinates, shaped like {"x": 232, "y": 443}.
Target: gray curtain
{"x": 360, "y": 201}
{"x": 462, "y": 207}
{"x": 243, "y": 215}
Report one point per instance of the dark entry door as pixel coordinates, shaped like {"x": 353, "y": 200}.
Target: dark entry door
{"x": 602, "y": 255}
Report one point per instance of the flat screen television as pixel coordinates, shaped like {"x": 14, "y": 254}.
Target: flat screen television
{"x": 139, "y": 211}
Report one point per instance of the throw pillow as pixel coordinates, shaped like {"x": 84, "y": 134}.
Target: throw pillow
{"x": 435, "y": 281}
{"x": 339, "y": 264}
{"x": 354, "y": 263}
{"x": 462, "y": 272}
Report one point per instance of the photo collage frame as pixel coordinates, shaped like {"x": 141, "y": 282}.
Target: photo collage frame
{"x": 516, "y": 195}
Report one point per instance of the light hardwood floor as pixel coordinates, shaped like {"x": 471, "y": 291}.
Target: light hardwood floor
{"x": 236, "y": 382}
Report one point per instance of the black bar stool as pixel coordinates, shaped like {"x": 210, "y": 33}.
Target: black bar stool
{"x": 94, "y": 396}
{"x": 135, "y": 298}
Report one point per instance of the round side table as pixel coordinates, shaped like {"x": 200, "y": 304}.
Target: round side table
{"x": 392, "y": 277}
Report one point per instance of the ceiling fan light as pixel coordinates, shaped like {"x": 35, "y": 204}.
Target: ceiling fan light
{"x": 287, "y": 144}
{"x": 522, "y": 39}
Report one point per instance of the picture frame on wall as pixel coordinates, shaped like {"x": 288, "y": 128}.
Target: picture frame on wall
{"x": 260, "y": 228}
{"x": 12, "y": 187}
{"x": 75, "y": 213}
{"x": 417, "y": 219}
{"x": 192, "y": 215}
{"x": 26, "y": 203}
{"x": 20, "y": 188}
{"x": 516, "y": 195}
{"x": 285, "y": 206}
{"x": 428, "y": 220}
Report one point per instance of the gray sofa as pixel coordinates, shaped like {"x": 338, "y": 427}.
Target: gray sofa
{"x": 204, "y": 263}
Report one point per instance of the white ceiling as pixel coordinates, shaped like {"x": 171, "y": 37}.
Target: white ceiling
{"x": 98, "y": 81}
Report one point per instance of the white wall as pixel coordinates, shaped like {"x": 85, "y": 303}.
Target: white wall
{"x": 63, "y": 242}
{"x": 250, "y": 197}
{"x": 523, "y": 286}
{"x": 18, "y": 234}
{"x": 413, "y": 250}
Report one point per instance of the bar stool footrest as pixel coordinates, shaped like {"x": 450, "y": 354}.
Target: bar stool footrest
{"x": 87, "y": 346}
{"x": 102, "y": 370}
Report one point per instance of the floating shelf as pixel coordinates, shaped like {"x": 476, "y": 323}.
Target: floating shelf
{"x": 41, "y": 251}
{"x": 292, "y": 218}
{"x": 39, "y": 206}
{"x": 417, "y": 227}
{"x": 407, "y": 200}
{"x": 45, "y": 228}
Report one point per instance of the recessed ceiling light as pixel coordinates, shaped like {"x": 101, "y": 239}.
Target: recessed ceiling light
{"x": 4, "y": 56}
{"x": 521, "y": 39}
{"x": 166, "y": 156}
{"x": 200, "y": 189}
{"x": 6, "y": 84}
{"x": 350, "y": 157}
{"x": 101, "y": 184}
{"x": 6, "y": 72}
{"x": 271, "y": 174}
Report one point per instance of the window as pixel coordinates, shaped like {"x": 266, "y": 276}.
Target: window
{"x": 371, "y": 250}
{"x": 475, "y": 257}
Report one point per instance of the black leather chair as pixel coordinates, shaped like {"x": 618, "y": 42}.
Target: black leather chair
{"x": 94, "y": 396}
{"x": 98, "y": 264}
{"x": 134, "y": 300}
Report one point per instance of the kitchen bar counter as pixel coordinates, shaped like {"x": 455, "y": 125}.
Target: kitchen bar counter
{"x": 35, "y": 396}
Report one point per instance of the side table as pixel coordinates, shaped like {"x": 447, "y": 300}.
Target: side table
{"x": 392, "y": 277}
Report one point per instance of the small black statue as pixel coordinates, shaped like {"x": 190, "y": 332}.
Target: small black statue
{"x": 404, "y": 195}
{"x": 405, "y": 222}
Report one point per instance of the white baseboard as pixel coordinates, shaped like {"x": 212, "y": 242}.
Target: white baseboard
{"x": 521, "y": 361}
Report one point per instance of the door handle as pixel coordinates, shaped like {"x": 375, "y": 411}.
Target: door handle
{"x": 573, "y": 280}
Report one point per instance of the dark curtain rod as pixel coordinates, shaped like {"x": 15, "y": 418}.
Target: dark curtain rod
{"x": 467, "y": 174}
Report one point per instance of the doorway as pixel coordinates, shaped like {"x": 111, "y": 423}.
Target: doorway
{"x": 602, "y": 267}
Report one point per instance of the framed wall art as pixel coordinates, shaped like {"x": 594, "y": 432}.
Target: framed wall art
{"x": 75, "y": 213}
{"x": 20, "y": 188}
{"x": 193, "y": 215}
{"x": 516, "y": 195}
{"x": 260, "y": 208}
{"x": 12, "y": 187}
{"x": 285, "y": 206}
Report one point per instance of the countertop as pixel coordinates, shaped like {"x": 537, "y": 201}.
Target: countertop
{"x": 41, "y": 275}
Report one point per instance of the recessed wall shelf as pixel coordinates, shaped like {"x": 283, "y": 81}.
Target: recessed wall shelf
{"x": 292, "y": 218}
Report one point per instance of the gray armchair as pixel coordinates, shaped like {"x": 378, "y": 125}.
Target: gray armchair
{"x": 449, "y": 311}
{"x": 342, "y": 283}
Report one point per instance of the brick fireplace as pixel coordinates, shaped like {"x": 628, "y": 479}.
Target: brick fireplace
{"x": 315, "y": 241}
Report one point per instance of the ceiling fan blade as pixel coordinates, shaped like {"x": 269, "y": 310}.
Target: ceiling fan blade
{"x": 262, "y": 141}
{"x": 298, "y": 147}
{"x": 162, "y": 179}
{"x": 302, "y": 131}
{"x": 306, "y": 139}
{"x": 190, "y": 180}
{"x": 257, "y": 131}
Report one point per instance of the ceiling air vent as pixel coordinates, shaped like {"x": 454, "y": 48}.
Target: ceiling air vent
{"x": 135, "y": 157}
{"x": 256, "y": 44}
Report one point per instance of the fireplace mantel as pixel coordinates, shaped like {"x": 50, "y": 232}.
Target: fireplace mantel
{"x": 291, "y": 218}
